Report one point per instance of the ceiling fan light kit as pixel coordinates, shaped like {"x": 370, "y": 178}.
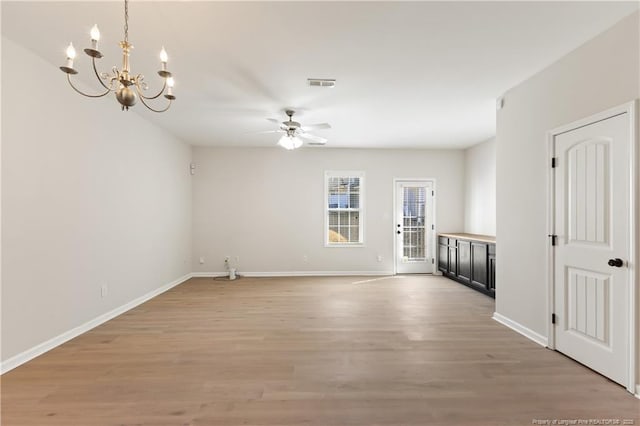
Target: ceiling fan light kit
{"x": 290, "y": 142}
{"x": 295, "y": 133}
{"x": 126, "y": 86}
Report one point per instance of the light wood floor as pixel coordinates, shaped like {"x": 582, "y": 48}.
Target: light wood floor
{"x": 300, "y": 351}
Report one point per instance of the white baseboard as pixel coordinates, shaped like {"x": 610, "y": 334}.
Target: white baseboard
{"x": 517, "y": 327}
{"x": 38, "y": 350}
{"x": 294, "y": 274}
{"x": 209, "y": 274}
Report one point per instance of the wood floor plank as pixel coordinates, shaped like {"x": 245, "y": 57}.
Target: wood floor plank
{"x": 412, "y": 350}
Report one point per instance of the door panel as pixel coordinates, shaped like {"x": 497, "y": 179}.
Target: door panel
{"x": 414, "y": 227}
{"x": 589, "y": 195}
{"x": 588, "y": 314}
{"x": 592, "y": 224}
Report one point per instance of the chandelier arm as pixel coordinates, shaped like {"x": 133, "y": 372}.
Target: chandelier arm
{"x": 154, "y": 110}
{"x": 164, "y": 86}
{"x": 93, "y": 60}
{"x": 84, "y": 94}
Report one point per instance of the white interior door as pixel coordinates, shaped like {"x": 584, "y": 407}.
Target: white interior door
{"x": 414, "y": 227}
{"x": 591, "y": 276}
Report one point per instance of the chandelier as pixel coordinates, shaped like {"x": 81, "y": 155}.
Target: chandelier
{"x": 127, "y": 86}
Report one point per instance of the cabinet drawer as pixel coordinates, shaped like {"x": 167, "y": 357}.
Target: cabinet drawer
{"x": 443, "y": 240}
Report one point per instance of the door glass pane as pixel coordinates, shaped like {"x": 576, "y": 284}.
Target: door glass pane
{"x": 413, "y": 207}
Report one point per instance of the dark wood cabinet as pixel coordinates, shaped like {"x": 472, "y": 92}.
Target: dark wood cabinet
{"x": 469, "y": 261}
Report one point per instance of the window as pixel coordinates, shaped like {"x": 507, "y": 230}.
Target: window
{"x": 344, "y": 222}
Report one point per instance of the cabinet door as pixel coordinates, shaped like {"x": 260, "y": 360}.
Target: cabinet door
{"x": 453, "y": 257}
{"x": 492, "y": 267}
{"x": 479, "y": 268}
{"x": 464, "y": 261}
{"x": 492, "y": 272}
{"x": 443, "y": 258}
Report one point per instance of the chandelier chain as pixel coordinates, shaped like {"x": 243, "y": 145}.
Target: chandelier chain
{"x": 126, "y": 20}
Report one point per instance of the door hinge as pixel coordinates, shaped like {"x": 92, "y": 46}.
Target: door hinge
{"x": 554, "y": 239}
{"x": 553, "y": 318}
{"x": 433, "y": 261}
{"x": 433, "y": 226}
{"x": 553, "y": 162}
{"x": 433, "y": 193}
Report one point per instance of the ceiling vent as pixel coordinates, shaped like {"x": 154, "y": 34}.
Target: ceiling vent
{"x": 321, "y": 82}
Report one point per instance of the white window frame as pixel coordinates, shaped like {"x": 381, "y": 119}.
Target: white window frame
{"x": 344, "y": 174}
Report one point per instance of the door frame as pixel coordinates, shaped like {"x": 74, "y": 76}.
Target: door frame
{"x": 430, "y": 241}
{"x": 630, "y": 108}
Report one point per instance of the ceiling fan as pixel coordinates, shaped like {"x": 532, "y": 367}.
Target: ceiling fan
{"x": 295, "y": 133}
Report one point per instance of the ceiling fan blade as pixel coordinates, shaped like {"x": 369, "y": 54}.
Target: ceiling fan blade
{"x": 316, "y": 144}
{"x": 313, "y": 138}
{"x": 267, "y": 131}
{"x": 273, "y": 120}
{"x": 316, "y": 126}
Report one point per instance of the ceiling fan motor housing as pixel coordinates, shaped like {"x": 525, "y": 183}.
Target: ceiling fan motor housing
{"x": 291, "y": 125}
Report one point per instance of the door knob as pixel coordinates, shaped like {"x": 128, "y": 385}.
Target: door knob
{"x": 399, "y": 232}
{"x": 617, "y": 262}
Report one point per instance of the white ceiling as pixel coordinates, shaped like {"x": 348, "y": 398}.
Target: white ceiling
{"x": 409, "y": 74}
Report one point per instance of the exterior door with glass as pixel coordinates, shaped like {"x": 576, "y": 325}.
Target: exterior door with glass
{"x": 414, "y": 227}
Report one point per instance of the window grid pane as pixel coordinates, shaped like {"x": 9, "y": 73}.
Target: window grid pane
{"x": 343, "y": 209}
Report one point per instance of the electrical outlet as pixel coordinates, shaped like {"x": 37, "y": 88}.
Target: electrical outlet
{"x": 237, "y": 259}
{"x": 104, "y": 290}
{"x": 379, "y": 258}
{"x": 201, "y": 260}
{"x": 305, "y": 258}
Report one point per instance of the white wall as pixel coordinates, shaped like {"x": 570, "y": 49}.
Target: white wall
{"x": 480, "y": 188}
{"x": 601, "y": 74}
{"x": 90, "y": 196}
{"x": 266, "y": 205}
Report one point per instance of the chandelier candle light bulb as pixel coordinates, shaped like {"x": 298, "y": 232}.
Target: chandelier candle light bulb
{"x": 71, "y": 54}
{"x": 127, "y": 86}
{"x": 170, "y": 83}
{"x": 164, "y": 58}
{"x": 95, "y": 36}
